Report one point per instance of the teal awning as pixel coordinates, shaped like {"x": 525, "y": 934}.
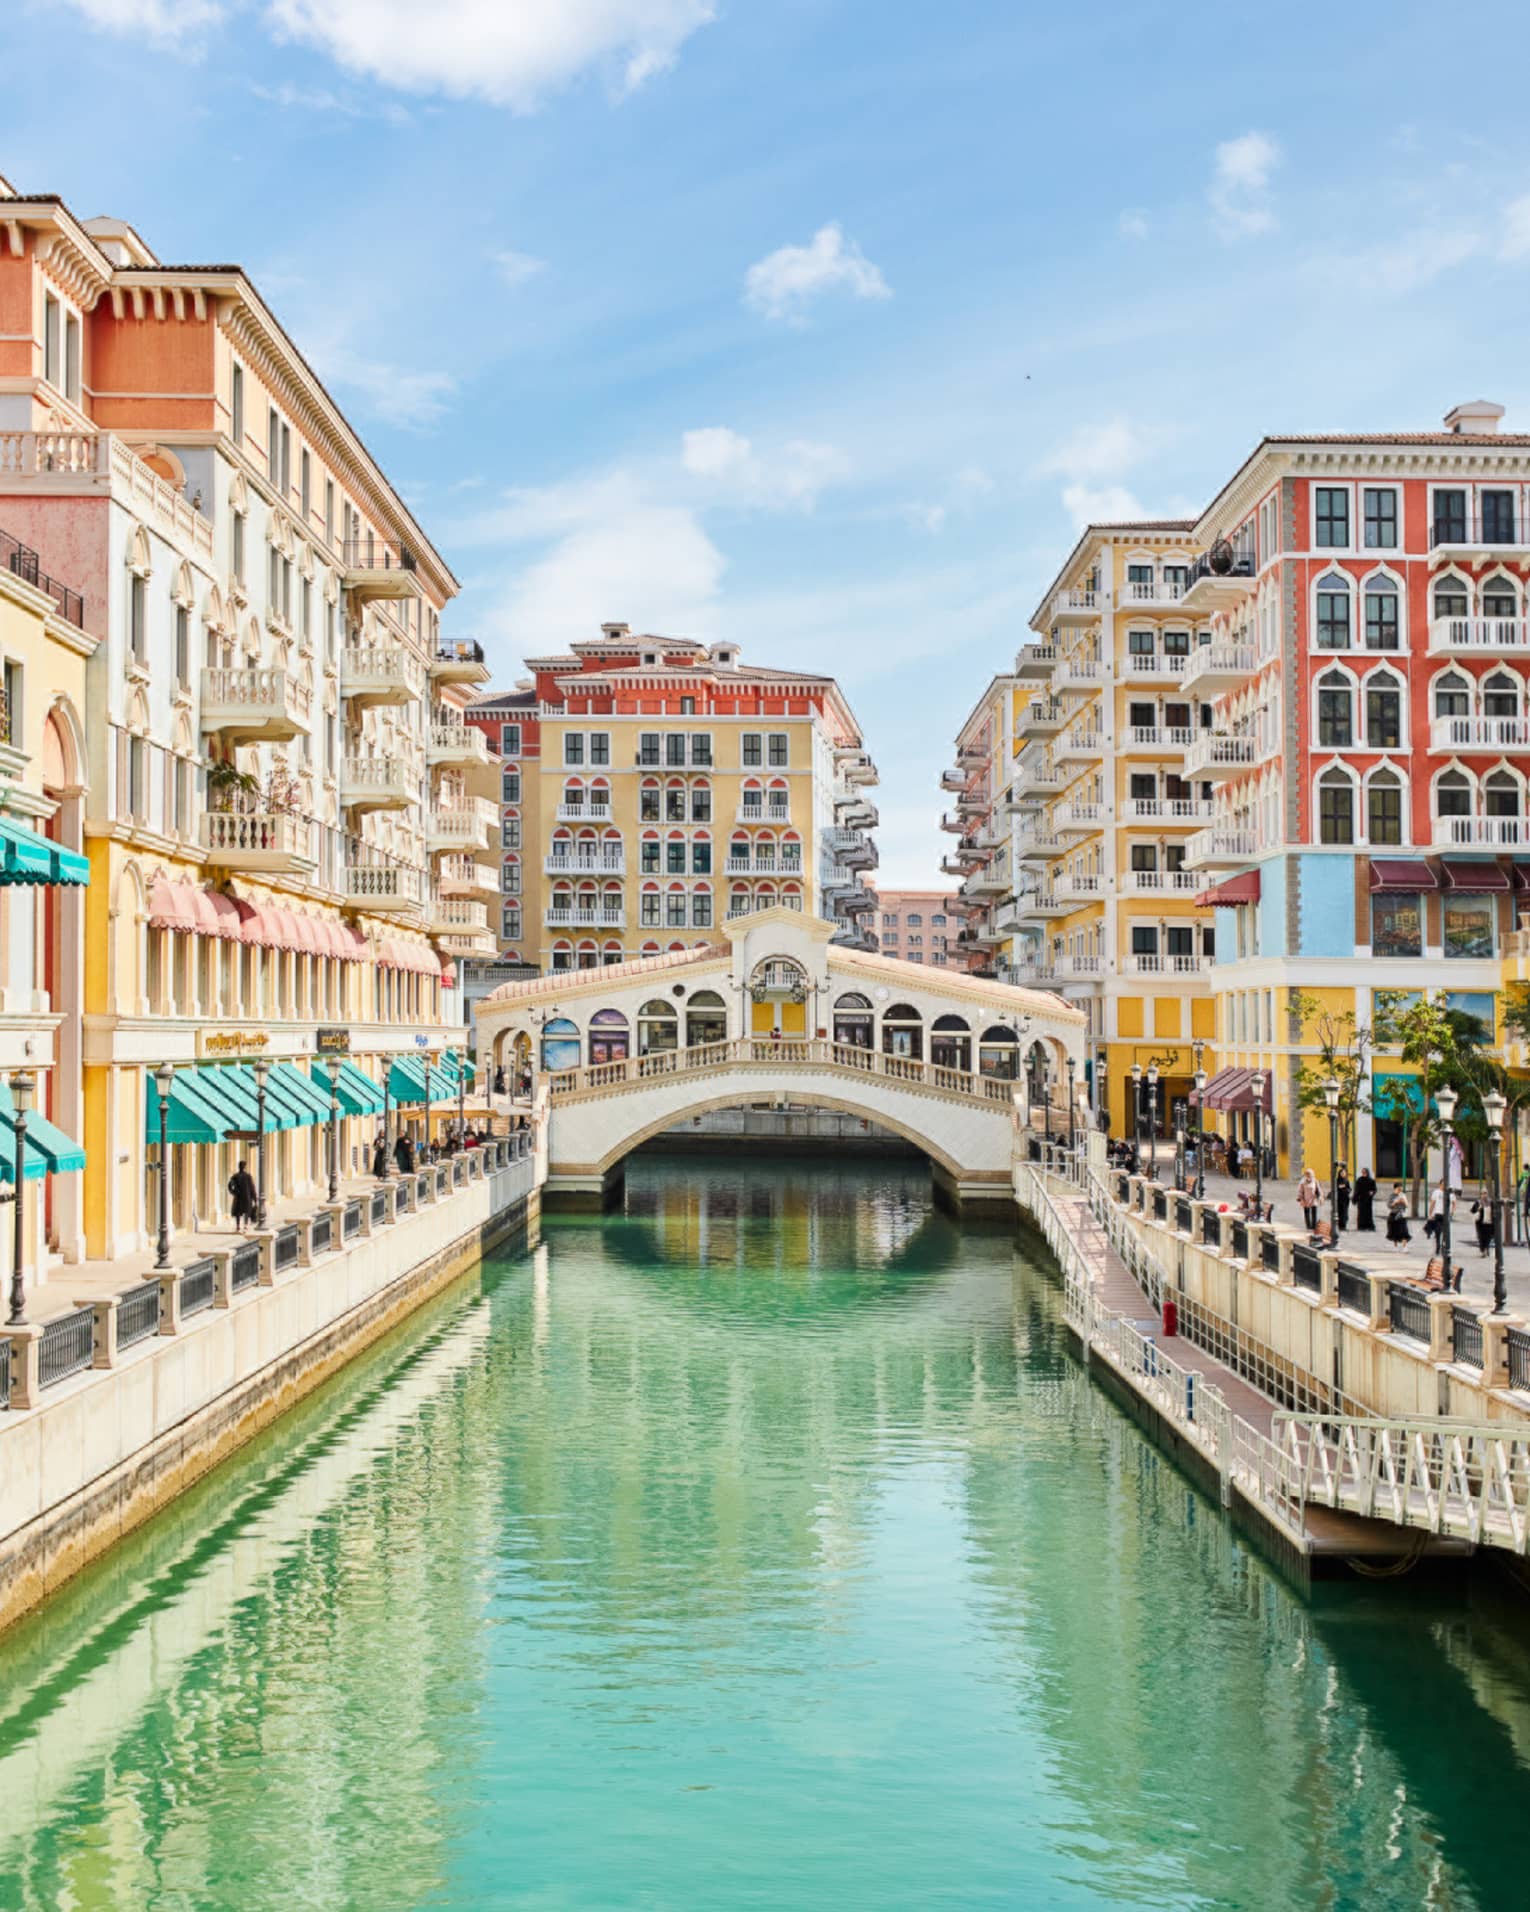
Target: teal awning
{"x": 300, "y": 1089}
{"x": 356, "y": 1092}
{"x": 26, "y": 857}
{"x": 406, "y": 1080}
{"x": 280, "y": 1112}
{"x": 201, "y": 1107}
{"x": 49, "y": 1150}
{"x": 461, "y": 1067}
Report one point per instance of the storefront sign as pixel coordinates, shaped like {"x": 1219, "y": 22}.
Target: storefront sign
{"x": 231, "y": 1042}
{"x": 332, "y": 1042}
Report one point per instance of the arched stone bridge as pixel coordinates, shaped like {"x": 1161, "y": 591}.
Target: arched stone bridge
{"x": 776, "y": 1013}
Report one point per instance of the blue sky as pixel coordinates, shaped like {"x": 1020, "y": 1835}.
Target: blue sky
{"x": 817, "y": 324}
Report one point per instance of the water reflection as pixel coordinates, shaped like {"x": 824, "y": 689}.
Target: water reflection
{"x": 761, "y": 1544}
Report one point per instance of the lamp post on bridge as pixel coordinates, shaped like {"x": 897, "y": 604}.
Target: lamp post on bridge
{"x": 1256, "y": 1083}
{"x": 1072, "y": 1142}
{"x": 164, "y": 1082}
{"x": 23, "y": 1088}
{"x": 1331, "y": 1098}
{"x": 1200, "y": 1122}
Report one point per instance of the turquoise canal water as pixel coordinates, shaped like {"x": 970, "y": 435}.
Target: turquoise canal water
{"x": 760, "y": 1545}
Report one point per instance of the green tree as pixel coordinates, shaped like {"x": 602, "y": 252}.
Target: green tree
{"x": 1445, "y": 1049}
{"x": 1344, "y": 1046}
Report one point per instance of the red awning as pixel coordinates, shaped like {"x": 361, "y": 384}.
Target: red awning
{"x": 1233, "y": 1089}
{"x": 393, "y": 954}
{"x": 1475, "y": 876}
{"x": 1522, "y": 876}
{"x": 1402, "y": 873}
{"x": 225, "y": 915}
{"x": 448, "y": 976}
{"x": 174, "y": 906}
{"x": 1237, "y": 889}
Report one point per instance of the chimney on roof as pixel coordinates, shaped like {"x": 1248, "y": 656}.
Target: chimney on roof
{"x": 616, "y": 630}
{"x": 1479, "y": 419}
{"x": 724, "y": 657}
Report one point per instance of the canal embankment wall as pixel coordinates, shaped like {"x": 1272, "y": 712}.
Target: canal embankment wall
{"x": 86, "y": 1462}
{"x": 778, "y": 1132}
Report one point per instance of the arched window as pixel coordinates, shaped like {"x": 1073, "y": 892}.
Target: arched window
{"x": 853, "y": 1020}
{"x": 1336, "y": 806}
{"x": 903, "y": 1032}
{"x": 706, "y": 1019}
{"x": 658, "y": 1027}
{"x": 1335, "y": 711}
{"x": 1452, "y": 695}
{"x": 999, "y": 1053}
{"x": 1452, "y": 794}
{"x": 1383, "y": 711}
{"x": 1501, "y": 695}
{"x": 560, "y": 1042}
{"x": 1450, "y": 602}
{"x": 1383, "y": 624}
{"x": 1500, "y": 599}
{"x": 609, "y": 1036}
{"x": 1333, "y": 612}
{"x": 1384, "y": 807}
{"x": 1502, "y": 794}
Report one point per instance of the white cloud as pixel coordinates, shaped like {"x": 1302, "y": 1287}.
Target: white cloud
{"x": 785, "y": 282}
{"x": 1133, "y": 225}
{"x": 412, "y": 400}
{"x": 1103, "y": 504}
{"x": 515, "y": 268}
{"x": 509, "y": 52}
{"x": 794, "y": 475}
{"x": 1240, "y": 184}
{"x": 1096, "y": 451}
{"x": 168, "y": 21}
{"x": 1514, "y": 241}
{"x": 319, "y": 99}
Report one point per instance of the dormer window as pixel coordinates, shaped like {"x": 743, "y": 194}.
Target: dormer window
{"x": 650, "y": 658}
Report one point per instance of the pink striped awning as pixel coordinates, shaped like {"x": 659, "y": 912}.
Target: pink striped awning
{"x": 190, "y": 910}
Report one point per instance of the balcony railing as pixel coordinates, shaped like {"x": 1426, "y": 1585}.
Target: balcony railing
{"x": 745, "y": 866}
{"x": 468, "y": 825}
{"x": 377, "y": 674}
{"x": 255, "y": 702}
{"x": 1155, "y": 664}
{"x": 384, "y": 885}
{"x": 612, "y": 862}
{"x": 1480, "y": 833}
{"x": 1171, "y": 810}
{"x": 1479, "y": 733}
{"x": 1076, "y": 600}
{"x": 584, "y": 813}
{"x": 372, "y": 553}
{"x": 1219, "y": 663}
{"x": 1219, "y": 756}
{"x": 1163, "y": 965}
{"x": 257, "y": 839}
{"x": 1161, "y": 882}
{"x": 67, "y": 461}
{"x": 1490, "y": 636}
{"x": 1153, "y": 591}
{"x": 457, "y": 743}
{"x": 24, "y": 563}
{"x": 385, "y": 782}
{"x": 1159, "y": 737}
{"x": 456, "y": 912}
{"x": 1220, "y": 846}
{"x": 584, "y": 916}
{"x": 758, "y": 813}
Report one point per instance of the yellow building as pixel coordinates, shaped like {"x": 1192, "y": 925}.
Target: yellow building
{"x": 1106, "y": 790}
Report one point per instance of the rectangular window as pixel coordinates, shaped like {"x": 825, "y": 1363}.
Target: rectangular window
{"x": 1144, "y": 856}
{"x": 1139, "y": 574}
{"x": 701, "y": 859}
{"x": 1497, "y": 516}
{"x": 138, "y": 618}
{"x": 1333, "y": 517}
{"x": 751, "y": 750}
{"x": 273, "y": 447}
{"x": 1334, "y": 726}
{"x": 1450, "y": 516}
{"x": 1383, "y": 719}
{"x": 648, "y": 858}
{"x": 1380, "y": 504}
{"x": 600, "y": 746}
{"x": 1176, "y": 643}
{"x": 1469, "y": 926}
{"x": 329, "y": 510}
{"x": 648, "y": 747}
{"x": 1381, "y": 625}
{"x": 1179, "y": 941}
{"x": 1144, "y": 939}
{"x": 509, "y": 740}
{"x": 138, "y": 779}
{"x": 701, "y": 806}
{"x": 72, "y": 357}
{"x": 53, "y": 319}
{"x": 1142, "y": 786}
{"x": 510, "y": 833}
{"x": 701, "y": 751}
{"x": 674, "y": 806}
{"x": 674, "y": 749}
{"x": 305, "y": 483}
{"x": 1333, "y": 620}
{"x": 1139, "y": 643}
{"x": 687, "y": 706}
{"x": 779, "y": 743}
{"x": 648, "y": 910}
{"x": 573, "y": 747}
{"x": 701, "y": 910}
{"x": 1336, "y": 812}
{"x": 286, "y": 461}
{"x": 648, "y": 806}
{"x": 182, "y": 645}
{"x": 674, "y": 859}
{"x": 674, "y": 910}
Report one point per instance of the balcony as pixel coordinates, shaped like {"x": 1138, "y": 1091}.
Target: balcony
{"x": 255, "y": 705}
{"x": 24, "y": 563}
{"x": 851, "y": 848}
{"x": 378, "y": 783}
{"x": 606, "y": 861}
{"x": 1041, "y": 717}
{"x": 777, "y": 816}
{"x": 1214, "y": 586}
{"x": 1035, "y": 660}
{"x": 456, "y": 743}
{"x": 950, "y": 867}
{"x": 377, "y": 674}
{"x": 459, "y": 663}
{"x": 987, "y": 881}
{"x": 375, "y": 569}
{"x": 1481, "y": 636}
{"x": 1214, "y": 668}
{"x": 1039, "y": 843}
{"x": 1077, "y": 604}
{"x": 460, "y": 914}
{"x": 1178, "y": 813}
{"x": 467, "y": 942}
{"x": 954, "y": 780}
{"x": 390, "y": 889}
{"x": 1163, "y": 965}
{"x": 586, "y": 916}
{"x": 465, "y": 876}
{"x": 854, "y": 764}
{"x": 1477, "y": 534}
{"x": 467, "y": 826}
{"x": 72, "y": 462}
{"x": 584, "y": 812}
{"x": 1074, "y": 821}
{"x": 1479, "y": 733}
{"x": 1481, "y": 833}
{"x": 1161, "y": 883}
{"x": 259, "y": 842}
{"x": 1220, "y": 848}
{"x": 956, "y": 825}
{"x": 1159, "y": 737}
{"x": 858, "y": 814}
{"x": 1037, "y": 776}
{"x": 1075, "y": 891}
{"x": 1078, "y": 673}
{"x": 1164, "y": 592}
{"x": 1079, "y": 746}
{"x": 1154, "y": 667}
{"x": 758, "y": 866}
{"x": 1077, "y": 969}
{"x": 1211, "y": 759}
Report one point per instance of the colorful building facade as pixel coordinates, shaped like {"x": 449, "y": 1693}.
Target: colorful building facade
{"x": 919, "y": 926}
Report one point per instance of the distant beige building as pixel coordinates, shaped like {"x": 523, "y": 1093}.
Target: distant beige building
{"x": 919, "y": 926}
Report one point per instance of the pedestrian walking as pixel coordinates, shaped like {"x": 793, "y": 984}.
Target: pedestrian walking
{"x": 1434, "y": 1220}
{"x": 403, "y": 1155}
{"x": 1341, "y": 1195}
{"x": 380, "y": 1158}
{"x": 499, "y": 1080}
{"x": 244, "y": 1197}
{"x": 1482, "y": 1218}
{"x": 1308, "y": 1196}
{"x": 1365, "y": 1202}
{"x": 1397, "y": 1218}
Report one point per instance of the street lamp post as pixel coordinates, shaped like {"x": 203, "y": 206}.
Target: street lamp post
{"x": 462, "y": 1102}
{"x": 1137, "y": 1114}
{"x": 1445, "y": 1100}
{"x": 1152, "y": 1076}
{"x": 425, "y": 1145}
{"x": 164, "y": 1081}
{"x": 387, "y": 1167}
{"x": 334, "y": 1128}
{"x": 1179, "y": 1160}
{"x": 1046, "y": 1104}
{"x": 1256, "y": 1083}
{"x": 1072, "y": 1143}
{"x": 23, "y": 1087}
{"x": 1493, "y": 1107}
{"x": 262, "y": 1070}
{"x": 1331, "y": 1097}
{"x": 1200, "y": 1131}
